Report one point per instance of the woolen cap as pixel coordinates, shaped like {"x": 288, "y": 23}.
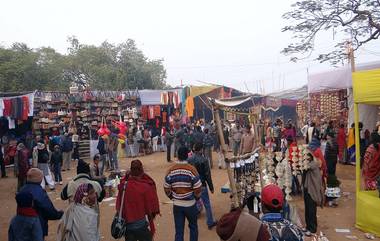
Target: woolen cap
{"x": 34, "y": 175}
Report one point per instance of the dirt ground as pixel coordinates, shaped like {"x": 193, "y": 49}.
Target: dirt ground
{"x": 155, "y": 165}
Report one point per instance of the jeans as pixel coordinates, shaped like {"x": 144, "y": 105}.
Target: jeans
{"x": 114, "y": 161}
{"x": 191, "y": 214}
{"x": 155, "y": 141}
{"x": 127, "y": 150}
{"x": 236, "y": 146}
{"x": 66, "y": 156}
{"x": 57, "y": 172}
{"x": 141, "y": 234}
{"x": 310, "y": 213}
{"x": 102, "y": 162}
{"x": 206, "y": 202}
{"x": 208, "y": 154}
{"x": 168, "y": 152}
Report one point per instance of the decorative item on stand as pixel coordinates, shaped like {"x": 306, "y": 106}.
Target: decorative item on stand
{"x": 103, "y": 130}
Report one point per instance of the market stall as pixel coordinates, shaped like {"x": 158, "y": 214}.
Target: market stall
{"x": 366, "y": 89}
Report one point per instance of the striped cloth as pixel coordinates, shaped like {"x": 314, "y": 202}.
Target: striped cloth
{"x": 182, "y": 184}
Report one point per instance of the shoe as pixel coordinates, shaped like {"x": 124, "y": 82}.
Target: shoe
{"x": 308, "y": 234}
{"x": 220, "y": 167}
{"x": 212, "y": 225}
{"x": 60, "y": 183}
{"x": 63, "y": 170}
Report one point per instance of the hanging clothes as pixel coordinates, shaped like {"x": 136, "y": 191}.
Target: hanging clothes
{"x": 7, "y": 107}
{"x": 25, "y": 107}
{"x": 11, "y": 123}
{"x": 190, "y": 106}
{"x": 157, "y": 110}
{"x": 176, "y": 100}
{"x": 144, "y": 112}
{"x": 170, "y": 98}
{"x": 1, "y": 107}
{"x": 164, "y": 116}
{"x": 151, "y": 112}
{"x": 14, "y": 108}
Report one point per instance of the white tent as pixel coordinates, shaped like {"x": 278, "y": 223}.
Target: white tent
{"x": 341, "y": 78}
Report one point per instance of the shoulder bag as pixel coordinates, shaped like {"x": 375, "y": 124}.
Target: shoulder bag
{"x": 119, "y": 225}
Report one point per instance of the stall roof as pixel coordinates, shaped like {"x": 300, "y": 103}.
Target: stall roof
{"x": 291, "y": 94}
{"x": 339, "y": 78}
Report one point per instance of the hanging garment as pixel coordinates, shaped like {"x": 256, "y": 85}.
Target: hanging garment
{"x": 151, "y": 112}
{"x": 164, "y": 116}
{"x": 144, "y": 112}
{"x": 175, "y": 100}
{"x": 1, "y": 107}
{"x": 7, "y": 107}
{"x": 14, "y": 108}
{"x": 11, "y": 123}
{"x": 20, "y": 108}
{"x": 157, "y": 110}
{"x": 190, "y": 106}
{"x": 170, "y": 98}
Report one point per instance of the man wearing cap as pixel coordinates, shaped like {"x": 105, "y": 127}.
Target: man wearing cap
{"x": 42, "y": 203}
{"x": 83, "y": 176}
{"x": 25, "y": 226}
{"x": 140, "y": 201}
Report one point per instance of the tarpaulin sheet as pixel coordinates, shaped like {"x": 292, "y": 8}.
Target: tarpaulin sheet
{"x": 200, "y": 90}
{"x": 233, "y": 101}
{"x": 366, "y": 86}
{"x": 339, "y": 78}
{"x": 368, "y": 211}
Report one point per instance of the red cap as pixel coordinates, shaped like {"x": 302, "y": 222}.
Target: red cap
{"x": 272, "y": 196}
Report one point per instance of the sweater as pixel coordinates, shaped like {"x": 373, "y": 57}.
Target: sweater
{"x": 182, "y": 184}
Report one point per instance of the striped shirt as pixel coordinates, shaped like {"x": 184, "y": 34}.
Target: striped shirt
{"x": 182, "y": 184}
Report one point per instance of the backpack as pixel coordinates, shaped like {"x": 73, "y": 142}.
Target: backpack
{"x": 283, "y": 230}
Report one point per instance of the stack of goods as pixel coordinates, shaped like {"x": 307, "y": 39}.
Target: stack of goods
{"x": 284, "y": 174}
{"x": 330, "y": 105}
{"x": 270, "y": 167}
{"x": 302, "y": 111}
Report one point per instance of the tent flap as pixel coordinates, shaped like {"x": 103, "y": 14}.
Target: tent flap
{"x": 366, "y": 86}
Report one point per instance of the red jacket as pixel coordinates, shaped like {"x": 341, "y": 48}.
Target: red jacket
{"x": 140, "y": 199}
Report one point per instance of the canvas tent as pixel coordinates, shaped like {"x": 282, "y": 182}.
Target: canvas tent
{"x": 366, "y": 92}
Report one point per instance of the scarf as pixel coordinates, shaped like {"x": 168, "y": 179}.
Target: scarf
{"x": 28, "y": 212}
{"x": 313, "y": 183}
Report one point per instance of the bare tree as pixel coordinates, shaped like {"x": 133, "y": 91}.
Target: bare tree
{"x": 354, "y": 21}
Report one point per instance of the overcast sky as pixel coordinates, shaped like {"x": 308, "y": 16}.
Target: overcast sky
{"x": 235, "y": 43}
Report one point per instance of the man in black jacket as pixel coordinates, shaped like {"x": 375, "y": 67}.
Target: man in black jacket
{"x": 203, "y": 168}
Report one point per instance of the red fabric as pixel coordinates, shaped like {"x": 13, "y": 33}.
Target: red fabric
{"x": 140, "y": 199}
{"x": 164, "y": 117}
{"x": 7, "y": 107}
{"x": 157, "y": 123}
{"x": 25, "y": 107}
{"x": 371, "y": 167}
{"x": 28, "y": 212}
{"x": 319, "y": 155}
{"x": 23, "y": 162}
{"x": 144, "y": 112}
{"x": 341, "y": 141}
{"x": 150, "y": 112}
{"x": 157, "y": 110}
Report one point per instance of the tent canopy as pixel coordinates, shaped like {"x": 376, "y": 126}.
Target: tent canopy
{"x": 339, "y": 78}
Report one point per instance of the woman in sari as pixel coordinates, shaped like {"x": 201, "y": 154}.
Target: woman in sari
{"x": 81, "y": 220}
{"x": 371, "y": 165}
{"x": 341, "y": 141}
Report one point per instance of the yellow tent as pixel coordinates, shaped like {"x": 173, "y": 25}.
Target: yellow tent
{"x": 366, "y": 87}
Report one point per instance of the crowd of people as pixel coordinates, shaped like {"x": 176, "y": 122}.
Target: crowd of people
{"x": 187, "y": 182}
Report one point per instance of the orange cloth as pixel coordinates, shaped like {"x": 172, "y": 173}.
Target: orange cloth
{"x": 190, "y": 106}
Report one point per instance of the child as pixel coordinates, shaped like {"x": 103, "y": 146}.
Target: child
{"x": 25, "y": 226}
{"x": 56, "y": 162}
{"x": 332, "y": 191}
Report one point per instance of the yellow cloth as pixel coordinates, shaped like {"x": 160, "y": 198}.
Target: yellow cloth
{"x": 200, "y": 90}
{"x": 190, "y": 106}
{"x": 366, "y": 86}
{"x": 368, "y": 211}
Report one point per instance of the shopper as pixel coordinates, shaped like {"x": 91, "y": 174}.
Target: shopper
{"x": 313, "y": 193}
{"x": 56, "y": 161}
{"x": 277, "y": 130}
{"x": 236, "y": 138}
{"x": 140, "y": 204}
{"x": 208, "y": 143}
{"x": 2, "y": 163}
{"x": 183, "y": 186}
{"x": 371, "y": 164}
{"x": 331, "y": 153}
{"x": 95, "y": 171}
{"x": 25, "y": 226}
{"x": 203, "y": 168}
{"x": 312, "y": 132}
{"x": 102, "y": 148}
{"x": 169, "y": 138}
{"x": 155, "y": 136}
{"x": 21, "y": 165}
{"x": 42, "y": 203}
{"x": 67, "y": 149}
{"x": 112, "y": 151}
{"x": 80, "y": 221}
{"x": 83, "y": 176}
{"x": 341, "y": 141}
{"x": 43, "y": 165}
{"x": 248, "y": 142}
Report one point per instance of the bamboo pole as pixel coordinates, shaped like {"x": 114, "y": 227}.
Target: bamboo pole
{"x": 235, "y": 200}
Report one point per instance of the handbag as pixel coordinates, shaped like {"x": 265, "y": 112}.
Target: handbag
{"x": 119, "y": 225}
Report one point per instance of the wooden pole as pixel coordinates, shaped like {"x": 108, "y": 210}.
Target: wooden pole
{"x": 235, "y": 200}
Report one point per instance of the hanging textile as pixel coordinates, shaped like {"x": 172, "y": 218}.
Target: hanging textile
{"x": 190, "y": 106}
{"x": 1, "y": 107}
{"x": 150, "y": 112}
{"x": 176, "y": 100}
{"x": 164, "y": 116}
{"x": 11, "y": 123}
{"x": 7, "y": 107}
{"x": 144, "y": 112}
{"x": 157, "y": 110}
